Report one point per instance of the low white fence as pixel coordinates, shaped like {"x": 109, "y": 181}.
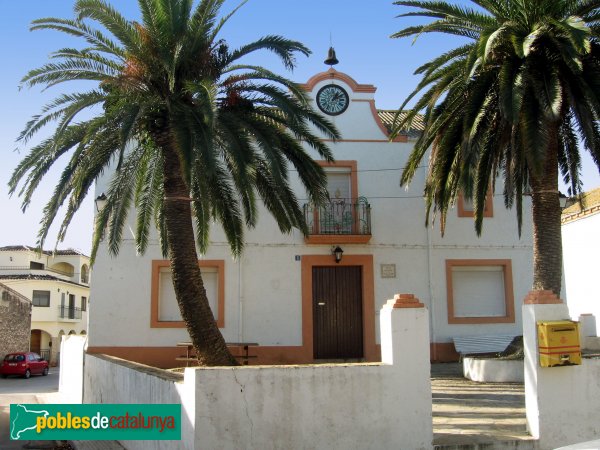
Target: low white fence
{"x": 562, "y": 403}
{"x": 70, "y": 384}
{"x": 337, "y": 406}
{"x": 113, "y": 380}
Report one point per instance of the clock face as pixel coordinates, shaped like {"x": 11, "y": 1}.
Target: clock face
{"x": 332, "y": 99}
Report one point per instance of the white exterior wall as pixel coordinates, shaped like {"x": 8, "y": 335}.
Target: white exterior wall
{"x": 114, "y": 381}
{"x": 561, "y": 402}
{"x": 47, "y": 318}
{"x": 263, "y": 290}
{"x": 15, "y": 272}
{"x": 336, "y": 406}
{"x": 17, "y": 262}
{"x": 581, "y": 245}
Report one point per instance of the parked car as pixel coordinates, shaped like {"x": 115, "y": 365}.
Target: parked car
{"x": 24, "y": 364}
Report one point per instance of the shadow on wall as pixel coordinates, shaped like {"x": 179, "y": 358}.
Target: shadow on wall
{"x": 345, "y": 406}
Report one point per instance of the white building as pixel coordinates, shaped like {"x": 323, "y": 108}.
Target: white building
{"x": 581, "y": 247}
{"x": 288, "y": 294}
{"x": 57, "y": 283}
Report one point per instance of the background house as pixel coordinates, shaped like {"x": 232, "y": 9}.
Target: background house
{"x": 57, "y": 284}
{"x": 289, "y": 295}
{"x": 581, "y": 247}
{"x": 15, "y": 321}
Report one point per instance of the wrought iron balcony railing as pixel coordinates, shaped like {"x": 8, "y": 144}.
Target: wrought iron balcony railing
{"x": 66, "y": 312}
{"x": 340, "y": 216}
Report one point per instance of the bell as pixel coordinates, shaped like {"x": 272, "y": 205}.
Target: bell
{"x": 331, "y": 59}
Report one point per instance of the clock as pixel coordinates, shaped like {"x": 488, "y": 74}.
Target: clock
{"x": 332, "y": 99}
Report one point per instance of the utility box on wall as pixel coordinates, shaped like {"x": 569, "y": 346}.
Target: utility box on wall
{"x": 558, "y": 343}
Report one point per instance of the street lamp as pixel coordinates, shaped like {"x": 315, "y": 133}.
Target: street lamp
{"x": 337, "y": 253}
{"x": 100, "y": 202}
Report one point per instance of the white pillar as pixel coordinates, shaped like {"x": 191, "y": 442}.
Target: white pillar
{"x": 72, "y": 357}
{"x": 537, "y": 308}
{"x": 560, "y": 402}
{"x": 404, "y": 325}
{"x": 405, "y": 332}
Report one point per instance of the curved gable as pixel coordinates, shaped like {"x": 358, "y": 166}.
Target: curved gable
{"x": 363, "y": 105}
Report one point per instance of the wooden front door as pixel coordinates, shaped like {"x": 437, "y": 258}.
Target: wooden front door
{"x": 36, "y": 341}
{"x": 337, "y": 312}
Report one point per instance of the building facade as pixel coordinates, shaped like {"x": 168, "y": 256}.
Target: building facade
{"x": 581, "y": 246}
{"x": 57, "y": 285}
{"x": 293, "y": 297}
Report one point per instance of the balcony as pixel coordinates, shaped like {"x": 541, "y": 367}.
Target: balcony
{"x": 39, "y": 271}
{"x": 69, "y": 313}
{"x": 341, "y": 221}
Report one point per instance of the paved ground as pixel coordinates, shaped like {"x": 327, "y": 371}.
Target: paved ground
{"x": 37, "y": 389}
{"x": 37, "y": 384}
{"x": 465, "y": 412}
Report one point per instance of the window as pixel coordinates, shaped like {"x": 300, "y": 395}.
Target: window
{"x": 339, "y": 183}
{"x": 479, "y": 291}
{"x": 164, "y": 308}
{"x": 83, "y": 303}
{"x": 85, "y": 274}
{"x": 41, "y": 298}
{"x": 466, "y": 208}
{"x": 346, "y": 218}
{"x": 336, "y": 217}
{"x": 36, "y": 265}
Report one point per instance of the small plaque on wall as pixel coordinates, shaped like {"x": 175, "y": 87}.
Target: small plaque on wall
{"x": 388, "y": 270}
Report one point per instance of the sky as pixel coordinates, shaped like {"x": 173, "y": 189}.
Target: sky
{"x": 358, "y": 29}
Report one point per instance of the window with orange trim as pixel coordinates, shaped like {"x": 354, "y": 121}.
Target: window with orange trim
{"x": 164, "y": 308}
{"x": 479, "y": 291}
{"x": 346, "y": 217}
{"x": 466, "y": 207}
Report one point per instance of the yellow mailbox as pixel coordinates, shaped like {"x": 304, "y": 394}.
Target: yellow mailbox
{"x": 558, "y": 343}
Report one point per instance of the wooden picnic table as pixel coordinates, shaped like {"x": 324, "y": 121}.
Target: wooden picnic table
{"x": 191, "y": 357}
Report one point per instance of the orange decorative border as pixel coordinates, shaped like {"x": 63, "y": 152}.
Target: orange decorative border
{"x": 164, "y": 357}
{"x": 333, "y": 74}
{"x": 319, "y": 239}
{"x": 404, "y": 301}
{"x": 488, "y": 211}
{"x": 568, "y": 218}
{"x": 368, "y": 298}
{"x": 157, "y": 264}
{"x": 384, "y": 130}
{"x": 341, "y": 238}
{"x": 509, "y": 298}
{"x": 542, "y": 297}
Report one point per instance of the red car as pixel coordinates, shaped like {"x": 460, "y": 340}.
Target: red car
{"x": 24, "y": 364}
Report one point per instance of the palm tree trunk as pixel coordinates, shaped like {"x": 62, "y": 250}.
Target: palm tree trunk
{"x": 547, "y": 238}
{"x": 189, "y": 288}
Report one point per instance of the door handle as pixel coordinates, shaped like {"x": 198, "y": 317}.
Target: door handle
{"x": 321, "y": 303}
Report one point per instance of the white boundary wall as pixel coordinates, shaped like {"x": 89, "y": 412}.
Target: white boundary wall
{"x": 352, "y": 406}
{"x": 563, "y": 403}
{"x": 70, "y": 384}
{"x": 357, "y": 406}
{"x": 490, "y": 370}
{"x": 113, "y": 380}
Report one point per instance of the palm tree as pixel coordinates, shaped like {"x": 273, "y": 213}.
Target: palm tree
{"x": 192, "y": 135}
{"x": 516, "y": 100}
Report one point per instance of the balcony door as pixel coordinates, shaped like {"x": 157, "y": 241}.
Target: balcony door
{"x": 337, "y": 312}
{"x": 337, "y": 217}
{"x": 71, "y": 306}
